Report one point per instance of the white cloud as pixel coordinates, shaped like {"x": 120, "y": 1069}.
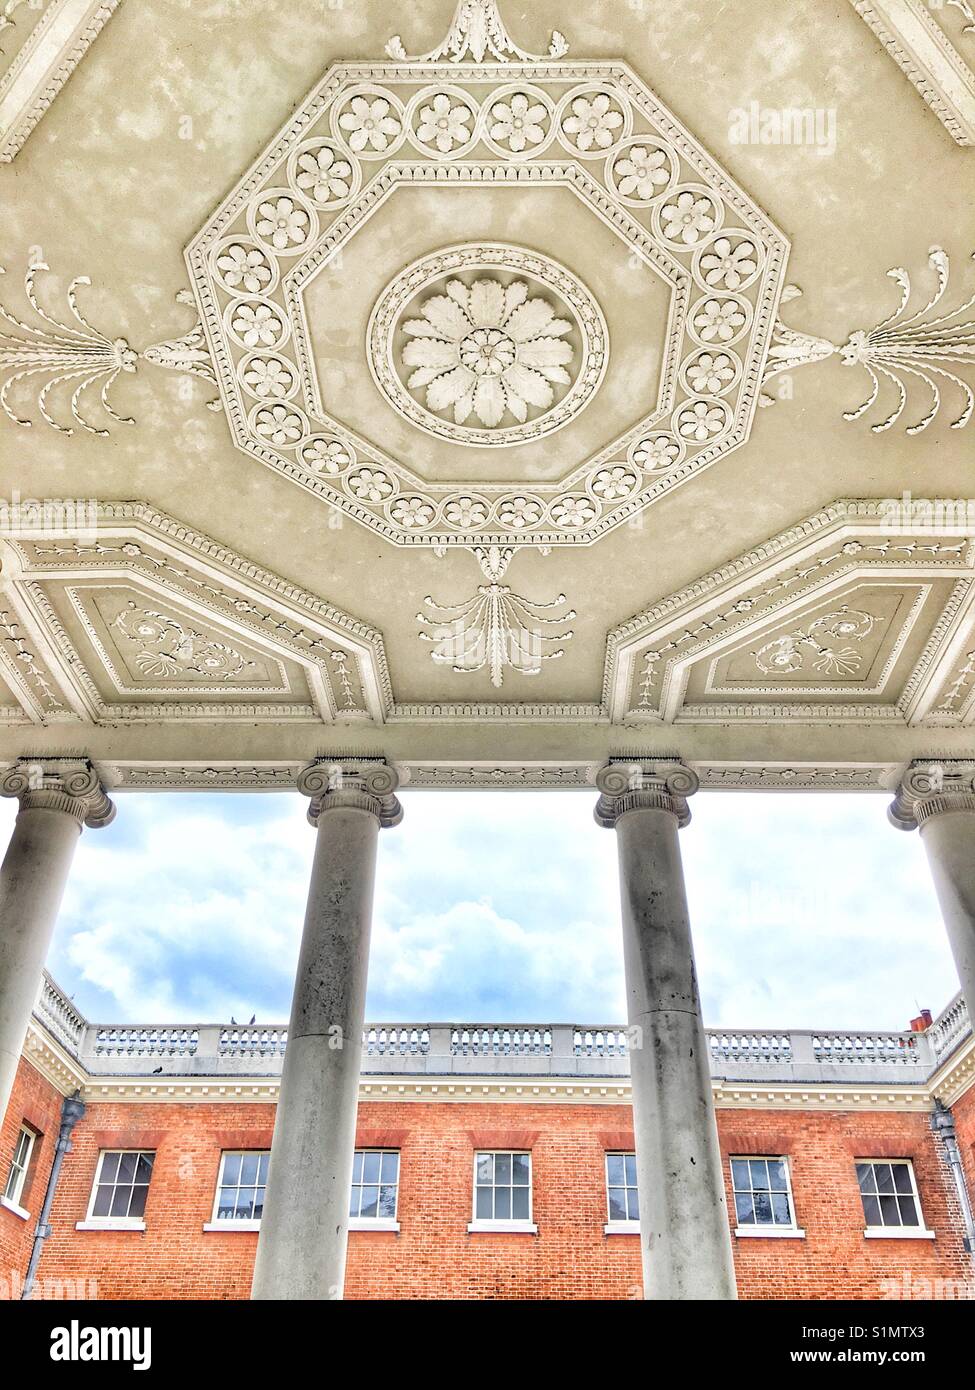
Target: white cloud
{"x": 495, "y": 907}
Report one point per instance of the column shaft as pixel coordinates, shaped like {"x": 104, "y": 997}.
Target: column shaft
{"x": 32, "y": 881}
{"x": 304, "y": 1229}
{"x": 949, "y": 841}
{"x": 684, "y": 1229}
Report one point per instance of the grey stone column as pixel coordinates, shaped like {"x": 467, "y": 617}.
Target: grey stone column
{"x": 938, "y": 797}
{"x": 304, "y": 1229}
{"x": 685, "y": 1235}
{"x": 57, "y": 797}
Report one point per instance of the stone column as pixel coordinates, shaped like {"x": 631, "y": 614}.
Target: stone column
{"x": 304, "y": 1229}
{"x": 685, "y": 1235}
{"x": 938, "y": 797}
{"x": 57, "y": 797}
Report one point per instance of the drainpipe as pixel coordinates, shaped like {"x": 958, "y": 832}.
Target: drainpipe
{"x": 943, "y": 1124}
{"x": 72, "y": 1111}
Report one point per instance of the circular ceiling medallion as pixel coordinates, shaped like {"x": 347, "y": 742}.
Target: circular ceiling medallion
{"x": 487, "y": 344}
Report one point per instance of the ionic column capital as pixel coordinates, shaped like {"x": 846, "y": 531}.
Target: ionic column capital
{"x": 69, "y": 785}
{"x": 932, "y": 787}
{"x": 644, "y": 784}
{"x": 366, "y": 784}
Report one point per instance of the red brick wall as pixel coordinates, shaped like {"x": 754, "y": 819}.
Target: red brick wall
{"x": 433, "y": 1256}
{"x": 36, "y": 1103}
{"x": 835, "y": 1260}
{"x": 964, "y": 1113}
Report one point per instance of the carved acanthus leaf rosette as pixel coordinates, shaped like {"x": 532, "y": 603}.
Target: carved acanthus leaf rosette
{"x": 644, "y": 784}
{"x": 70, "y": 785}
{"x": 357, "y": 784}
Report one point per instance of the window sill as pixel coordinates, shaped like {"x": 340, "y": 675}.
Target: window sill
{"x": 771, "y": 1232}
{"x": 110, "y": 1223}
{"x": 621, "y": 1228}
{"x": 242, "y": 1225}
{"x": 899, "y": 1233}
{"x": 12, "y": 1206}
{"x": 504, "y": 1228}
{"x": 380, "y": 1224}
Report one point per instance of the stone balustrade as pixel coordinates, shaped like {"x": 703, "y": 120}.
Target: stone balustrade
{"x": 759, "y": 1055}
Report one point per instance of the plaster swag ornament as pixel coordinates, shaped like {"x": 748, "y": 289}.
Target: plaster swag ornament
{"x": 477, "y": 29}
{"x": 901, "y": 349}
{"x": 52, "y": 354}
{"x": 496, "y": 628}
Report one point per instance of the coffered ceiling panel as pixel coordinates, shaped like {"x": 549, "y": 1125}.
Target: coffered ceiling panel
{"x": 464, "y": 345}
{"x": 858, "y": 613}
{"x": 141, "y": 619}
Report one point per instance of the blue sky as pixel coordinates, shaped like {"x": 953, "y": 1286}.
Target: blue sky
{"x": 808, "y": 910}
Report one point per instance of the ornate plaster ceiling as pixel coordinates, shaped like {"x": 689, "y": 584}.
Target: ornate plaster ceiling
{"x": 394, "y": 376}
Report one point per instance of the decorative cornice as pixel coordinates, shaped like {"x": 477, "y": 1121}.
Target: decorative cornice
{"x": 512, "y": 1089}
{"x": 52, "y": 51}
{"x": 69, "y": 785}
{"x": 645, "y": 784}
{"x": 925, "y": 54}
{"x": 933, "y": 787}
{"x": 360, "y": 784}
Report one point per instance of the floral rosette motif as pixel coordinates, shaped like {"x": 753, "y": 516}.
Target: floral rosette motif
{"x": 370, "y": 122}
{"x": 591, "y": 122}
{"x": 718, "y": 320}
{"x": 324, "y": 173}
{"x": 282, "y": 222}
{"x": 241, "y": 267}
{"x": 711, "y": 373}
{"x": 487, "y": 348}
{"x": 702, "y": 421}
{"x": 327, "y": 455}
{"x": 641, "y": 170}
{"x": 257, "y": 323}
{"x": 689, "y": 215}
{"x": 278, "y": 423}
{"x": 442, "y": 121}
{"x": 730, "y": 261}
{"x": 516, "y": 121}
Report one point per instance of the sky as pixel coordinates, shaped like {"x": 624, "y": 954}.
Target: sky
{"x": 499, "y": 907}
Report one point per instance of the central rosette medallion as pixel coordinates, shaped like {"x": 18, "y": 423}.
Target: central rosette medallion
{"x": 487, "y": 344}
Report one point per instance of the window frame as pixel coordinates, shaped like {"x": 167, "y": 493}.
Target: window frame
{"x": 11, "y": 1199}
{"x": 613, "y": 1226}
{"x": 765, "y": 1230}
{"x": 116, "y": 1223}
{"x": 233, "y": 1223}
{"x": 918, "y": 1232}
{"x": 503, "y": 1225}
{"x": 375, "y": 1223}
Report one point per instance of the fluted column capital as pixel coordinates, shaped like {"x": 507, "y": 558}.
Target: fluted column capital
{"x": 932, "y": 787}
{"x": 359, "y": 784}
{"x": 69, "y": 785}
{"x": 644, "y": 784}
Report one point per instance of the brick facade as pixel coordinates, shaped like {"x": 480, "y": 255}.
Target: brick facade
{"x": 433, "y": 1255}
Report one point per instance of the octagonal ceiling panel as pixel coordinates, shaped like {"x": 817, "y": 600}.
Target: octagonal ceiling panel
{"x": 413, "y": 296}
